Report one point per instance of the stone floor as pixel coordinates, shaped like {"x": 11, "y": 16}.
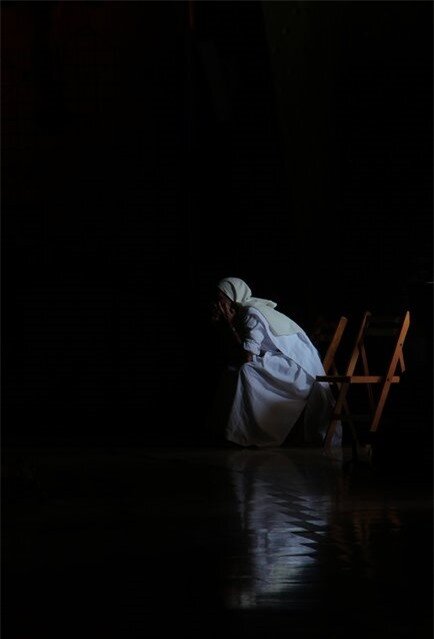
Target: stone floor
{"x": 213, "y": 542}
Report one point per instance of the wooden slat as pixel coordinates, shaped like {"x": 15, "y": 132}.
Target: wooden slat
{"x": 328, "y": 362}
{"x": 357, "y": 379}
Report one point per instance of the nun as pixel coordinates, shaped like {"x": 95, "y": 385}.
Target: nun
{"x": 275, "y": 381}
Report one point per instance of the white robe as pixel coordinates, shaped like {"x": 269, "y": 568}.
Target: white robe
{"x": 273, "y": 389}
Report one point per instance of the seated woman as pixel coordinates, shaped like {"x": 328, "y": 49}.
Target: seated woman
{"x": 275, "y": 380}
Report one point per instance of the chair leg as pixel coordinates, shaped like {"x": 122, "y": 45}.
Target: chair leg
{"x": 336, "y": 416}
{"x": 380, "y": 405}
{"x": 366, "y": 371}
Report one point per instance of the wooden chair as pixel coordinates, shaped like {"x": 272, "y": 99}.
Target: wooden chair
{"x": 380, "y": 329}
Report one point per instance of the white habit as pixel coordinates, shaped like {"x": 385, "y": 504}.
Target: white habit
{"x": 273, "y": 389}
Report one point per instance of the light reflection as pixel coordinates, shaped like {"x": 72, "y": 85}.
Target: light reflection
{"x": 299, "y": 526}
{"x": 279, "y": 517}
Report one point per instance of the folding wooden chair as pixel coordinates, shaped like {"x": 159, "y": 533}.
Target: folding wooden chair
{"x": 381, "y": 329}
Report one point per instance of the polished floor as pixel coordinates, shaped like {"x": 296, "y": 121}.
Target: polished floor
{"x": 214, "y": 542}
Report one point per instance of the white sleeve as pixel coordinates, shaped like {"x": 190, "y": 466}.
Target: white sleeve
{"x": 254, "y": 334}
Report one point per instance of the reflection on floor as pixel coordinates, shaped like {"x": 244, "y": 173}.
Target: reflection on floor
{"x": 126, "y": 542}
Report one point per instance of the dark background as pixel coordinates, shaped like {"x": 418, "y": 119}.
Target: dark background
{"x": 151, "y": 148}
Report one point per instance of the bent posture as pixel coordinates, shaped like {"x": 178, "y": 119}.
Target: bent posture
{"x": 275, "y": 380}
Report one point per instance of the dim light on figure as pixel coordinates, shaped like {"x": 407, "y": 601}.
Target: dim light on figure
{"x": 275, "y": 380}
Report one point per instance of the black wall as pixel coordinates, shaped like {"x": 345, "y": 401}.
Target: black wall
{"x": 146, "y": 156}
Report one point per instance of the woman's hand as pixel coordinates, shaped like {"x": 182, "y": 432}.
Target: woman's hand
{"x": 227, "y": 311}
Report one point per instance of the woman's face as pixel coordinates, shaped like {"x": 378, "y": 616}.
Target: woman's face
{"x": 223, "y": 307}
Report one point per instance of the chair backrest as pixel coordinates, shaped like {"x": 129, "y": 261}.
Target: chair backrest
{"x": 359, "y": 350}
{"x": 327, "y": 336}
{"x": 382, "y": 337}
{"x": 329, "y": 363}
{"x": 392, "y": 332}
{"x": 379, "y": 350}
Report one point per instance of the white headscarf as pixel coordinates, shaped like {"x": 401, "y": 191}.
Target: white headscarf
{"x": 240, "y": 293}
